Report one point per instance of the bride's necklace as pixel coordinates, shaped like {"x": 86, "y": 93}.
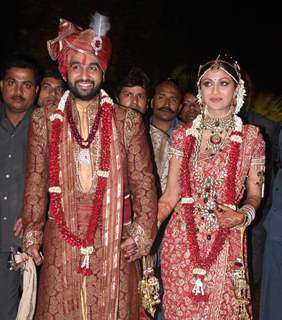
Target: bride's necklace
{"x": 218, "y": 127}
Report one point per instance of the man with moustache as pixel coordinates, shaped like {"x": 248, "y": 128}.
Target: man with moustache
{"x": 166, "y": 104}
{"x": 88, "y": 153}
{"x": 20, "y": 79}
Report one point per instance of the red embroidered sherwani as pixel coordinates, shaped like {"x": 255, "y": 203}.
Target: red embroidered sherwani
{"x": 111, "y": 292}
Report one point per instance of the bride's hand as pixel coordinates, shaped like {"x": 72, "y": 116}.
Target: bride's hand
{"x": 228, "y": 218}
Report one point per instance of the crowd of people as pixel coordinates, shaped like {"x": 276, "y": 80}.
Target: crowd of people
{"x": 92, "y": 184}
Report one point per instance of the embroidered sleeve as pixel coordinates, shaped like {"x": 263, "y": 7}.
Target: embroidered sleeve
{"x": 258, "y": 159}
{"x": 140, "y": 237}
{"x": 258, "y": 156}
{"x": 176, "y": 142}
{"x": 35, "y": 195}
{"x": 31, "y": 238}
{"x": 141, "y": 183}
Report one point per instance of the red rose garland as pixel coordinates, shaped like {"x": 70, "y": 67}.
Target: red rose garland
{"x": 231, "y": 169}
{"x": 56, "y": 209}
{"x": 200, "y": 263}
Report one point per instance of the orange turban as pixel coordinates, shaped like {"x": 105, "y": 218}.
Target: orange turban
{"x": 73, "y": 39}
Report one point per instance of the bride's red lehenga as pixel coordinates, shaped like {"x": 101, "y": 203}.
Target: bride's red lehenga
{"x": 213, "y": 297}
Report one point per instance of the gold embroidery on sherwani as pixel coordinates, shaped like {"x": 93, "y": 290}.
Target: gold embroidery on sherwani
{"x": 112, "y": 289}
{"x": 111, "y": 238}
{"x": 138, "y": 234}
{"x": 139, "y": 167}
{"x": 32, "y": 238}
{"x": 35, "y": 199}
{"x": 138, "y": 149}
{"x": 129, "y": 123}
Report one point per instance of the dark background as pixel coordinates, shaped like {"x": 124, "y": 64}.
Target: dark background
{"x": 159, "y": 36}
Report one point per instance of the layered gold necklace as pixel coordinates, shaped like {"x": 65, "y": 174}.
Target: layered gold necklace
{"x": 219, "y": 128}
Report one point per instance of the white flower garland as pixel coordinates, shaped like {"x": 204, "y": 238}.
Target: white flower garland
{"x": 240, "y": 98}
{"x": 55, "y": 189}
{"x": 238, "y": 128}
{"x": 63, "y": 100}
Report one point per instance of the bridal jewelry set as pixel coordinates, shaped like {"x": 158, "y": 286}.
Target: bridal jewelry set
{"x": 219, "y": 129}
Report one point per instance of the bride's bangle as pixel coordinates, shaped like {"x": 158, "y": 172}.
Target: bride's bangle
{"x": 249, "y": 212}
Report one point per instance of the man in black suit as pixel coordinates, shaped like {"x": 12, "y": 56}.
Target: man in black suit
{"x": 256, "y": 233}
{"x": 19, "y": 85}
